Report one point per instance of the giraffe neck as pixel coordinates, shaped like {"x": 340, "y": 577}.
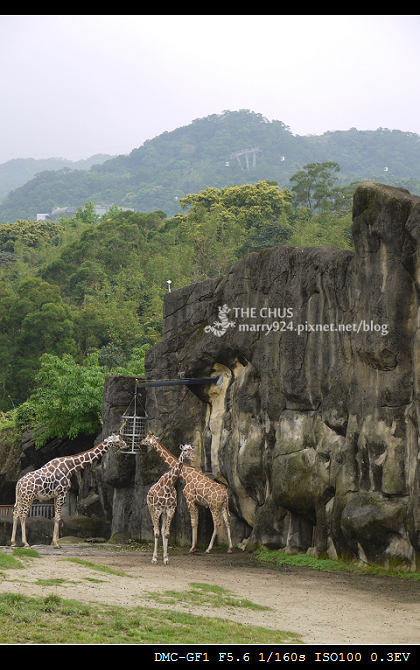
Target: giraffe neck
{"x": 170, "y": 478}
{"x": 165, "y": 455}
{"x": 176, "y": 469}
{"x": 81, "y": 461}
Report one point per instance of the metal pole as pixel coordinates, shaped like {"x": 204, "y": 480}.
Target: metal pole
{"x": 183, "y": 382}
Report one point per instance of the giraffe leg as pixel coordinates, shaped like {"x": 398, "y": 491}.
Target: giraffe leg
{"x": 55, "y": 539}
{"x": 15, "y": 523}
{"x": 166, "y": 527}
{"x": 225, "y": 515}
{"x": 193, "y": 508}
{"x": 155, "y": 551}
{"x": 20, "y": 512}
{"x": 16, "y": 516}
{"x": 155, "y": 514}
{"x": 216, "y": 524}
{"x": 213, "y": 537}
{"x": 57, "y": 518}
{"x": 23, "y": 526}
{"x": 165, "y": 537}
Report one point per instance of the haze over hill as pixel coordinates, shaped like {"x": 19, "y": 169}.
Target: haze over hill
{"x": 211, "y": 152}
{"x": 18, "y": 171}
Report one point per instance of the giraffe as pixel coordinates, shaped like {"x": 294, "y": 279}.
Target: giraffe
{"x": 162, "y": 501}
{"x": 198, "y": 490}
{"x": 53, "y": 480}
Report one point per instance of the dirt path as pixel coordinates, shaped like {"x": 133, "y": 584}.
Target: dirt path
{"x": 323, "y": 608}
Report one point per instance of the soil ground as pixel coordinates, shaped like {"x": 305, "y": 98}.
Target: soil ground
{"x": 322, "y": 608}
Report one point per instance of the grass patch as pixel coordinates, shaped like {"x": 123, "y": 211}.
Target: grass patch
{"x": 93, "y": 579}
{"x": 204, "y": 594}
{"x": 12, "y": 562}
{"x": 26, "y": 551}
{"x": 99, "y": 568}
{"x": 306, "y": 561}
{"x": 58, "y": 581}
{"x": 327, "y": 564}
{"x": 53, "y": 620}
{"x": 9, "y": 562}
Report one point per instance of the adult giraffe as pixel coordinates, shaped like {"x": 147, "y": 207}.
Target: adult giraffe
{"x": 198, "y": 490}
{"x": 162, "y": 500}
{"x": 53, "y": 480}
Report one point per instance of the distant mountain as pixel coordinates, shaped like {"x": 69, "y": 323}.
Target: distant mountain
{"x": 219, "y": 150}
{"x": 18, "y": 171}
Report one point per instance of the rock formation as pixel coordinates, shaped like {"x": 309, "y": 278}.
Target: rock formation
{"x": 315, "y": 426}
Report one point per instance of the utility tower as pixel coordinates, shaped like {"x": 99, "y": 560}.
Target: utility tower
{"x": 246, "y": 153}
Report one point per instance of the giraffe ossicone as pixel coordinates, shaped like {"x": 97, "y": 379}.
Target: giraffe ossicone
{"x": 162, "y": 501}
{"x": 199, "y": 490}
{"x": 53, "y": 480}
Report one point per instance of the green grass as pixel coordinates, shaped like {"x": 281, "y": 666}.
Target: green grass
{"x": 9, "y": 562}
{"x": 204, "y": 594}
{"x": 53, "y": 620}
{"x": 96, "y": 566}
{"x": 12, "y": 562}
{"x": 94, "y": 580}
{"x": 303, "y": 560}
{"x": 58, "y": 581}
{"x": 327, "y": 564}
{"x": 22, "y": 552}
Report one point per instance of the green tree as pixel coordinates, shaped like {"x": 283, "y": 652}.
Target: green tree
{"x": 323, "y": 209}
{"x": 212, "y": 237}
{"x": 87, "y": 214}
{"x": 324, "y": 229}
{"x": 253, "y": 205}
{"x": 273, "y": 235}
{"x": 313, "y": 184}
{"x": 340, "y": 201}
{"x": 33, "y": 322}
{"x": 30, "y": 233}
{"x": 223, "y": 224}
{"x": 68, "y": 397}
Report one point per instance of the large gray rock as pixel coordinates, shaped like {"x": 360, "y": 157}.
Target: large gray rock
{"x": 315, "y": 426}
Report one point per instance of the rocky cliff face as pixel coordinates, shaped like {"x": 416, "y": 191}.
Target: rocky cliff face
{"x": 315, "y": 426}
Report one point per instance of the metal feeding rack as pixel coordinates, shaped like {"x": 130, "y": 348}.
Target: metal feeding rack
{"x": 134, "y": 426}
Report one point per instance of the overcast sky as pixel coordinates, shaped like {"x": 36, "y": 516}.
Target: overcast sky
{"x": 74, "y": 86}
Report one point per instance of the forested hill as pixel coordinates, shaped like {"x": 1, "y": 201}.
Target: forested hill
{"x": 18, "y": 171}
{"x": 189, "y": 159}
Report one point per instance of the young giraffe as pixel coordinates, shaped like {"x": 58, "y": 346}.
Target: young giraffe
{"x": 53, "y": 480}
{"x": 162, "y": 500}
{"x": 198, "y": 490}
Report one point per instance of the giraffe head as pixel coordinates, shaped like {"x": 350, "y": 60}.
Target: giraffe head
{"x": 116, "y": 442}
{"x": 188, "y": 451}
{"x": 149, "y": 440}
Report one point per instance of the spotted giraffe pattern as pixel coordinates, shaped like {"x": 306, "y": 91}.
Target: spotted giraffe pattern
{"x": 53, "y": 480}
{"x": 162, "y": 501}
{"x": 198, "y": 490}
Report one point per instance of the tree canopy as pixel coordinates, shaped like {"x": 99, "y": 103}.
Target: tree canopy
{"x": 68, "y": 397}
{"x": 81, "y": 299}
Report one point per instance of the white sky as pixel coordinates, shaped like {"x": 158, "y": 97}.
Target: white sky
{"x": 73, "y": 86}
